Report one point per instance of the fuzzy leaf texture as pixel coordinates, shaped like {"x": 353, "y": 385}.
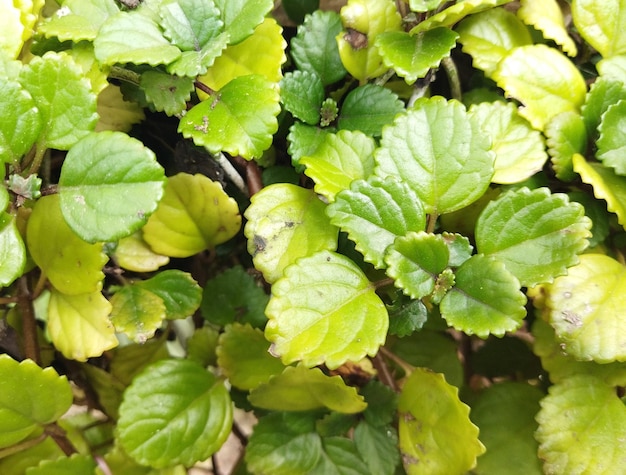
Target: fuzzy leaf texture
{"x": 440, "y": 152}
{"x": 194, "y": 214}
{"x": 324, "y": 310}
{"x": 374, "y": 213}
{"x": 286, "y": 222}
{"x": 30, "y": 397}
{"x": 602, "y": 25}
{"x": 436, "y": 434}
{"x": 174, "y": 412}
{"x": 109, "y": 185}
{"x": 536, "y": 234}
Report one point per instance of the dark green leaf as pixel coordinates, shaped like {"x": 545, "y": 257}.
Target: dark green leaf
{"x": 20, "y": 122}
{"x": 340, "y": 457}
{"x": 166, "y": 92}
{"x": 603, "y": 93}
{"x": 302, "y": 93}
{"x": 180, "y": 292}
{"x": 406, "y": 316}
{"x": 378, "y": 446}
{"x": 612, "y": 140}
{"x": 565, "y": 136}
{"x": 368, "y": 108}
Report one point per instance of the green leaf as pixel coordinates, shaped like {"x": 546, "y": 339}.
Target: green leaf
{"x": 585, "y": 306}
{"x": 536, "y": 234}
{"x": 63, "y": 96}
{"x": 12, "y": 30}
{"x": 20, "y": 122}
{"x": 612, "y": 140}
{"x": 415, "y": 260}
{"x": 302, "y": 93}
{"x": 543, "y": 80}
{"x": 335, "y": 424}
{"x": 547, "y": 17}
{"x": 505, "y": 414}
{"x": 243, "y": 357}
{"x": 304, "y": 140}
{"x": 296, "y": 10}
{"x": 406, "y": 316}
{"x": 339, "y": 456}
{"x": 520, "y": 150}
{"x": 131, "y": 37}
{"x": 239, "y": 119}
{"x": 455, "y": 13}
{"x": 425, "y": 5}
{"x": 582, "y": 423}
{"x": 166, "y": 92}
{"x": 378, "y": 446}
{"x": 374, "y": 213}
{"x": 194, "y": 214}
{"x": 382, "y": 402}
{"x": 233, "y": 296}
{"x": 340, "y": 159}
{"x": 489, "y": 36}
{"x": 78, "y": 19}
{"x": 604, "y": 92}
{"x": 565, "y": 136}
{"x": 412, "y": 56}
{"x": 119, "y": 462}
{"x": 597, "y": 212}
{"x": 17, "y": 463}
{"x": 601, "y": 25}
{"x": 174, "y": 412}
{"x": 459, "y": 248}
{"x": 241, "y": 17}
{"x": 501, "y": 357}
{"x": 368, "y": 108}
{"x": 324, "y": 310}
{"x": 109, "y": 185}
{"x": 302, "y": 389}
{"x": 440, "y": 152}
{"x": 486, "y": 299}
{"x": 192, "y": 63}
{"x": 436, "y": 434}
{"x": 284, "y": 444}
{"x": 12, "y": 250}
{"x": 30, "y": 397}
{"x": 314, "y": 48}
{"x": 77, "y": 464}
{"x": 131, "y": 359}
{"x": 202, "y": 346}
{"x": 190, "y": 24}
{"x": 72, "y": 265}
{"x": 180, "y": 293}
{"x": 117, "y": 114}
{"x": 137, "y": 312}
{"x": 286, "y": 222}
{"x": 79, "y": 325}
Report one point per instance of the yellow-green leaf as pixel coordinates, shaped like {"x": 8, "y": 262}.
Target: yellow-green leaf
{"x": 547, "y": 17}
{"x": 137, "y": 312}
{"x": 11, "y": 29}
{"x": 134, "y": 254}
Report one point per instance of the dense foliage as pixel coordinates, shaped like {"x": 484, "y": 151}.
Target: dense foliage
{"x": 393, "y": 232}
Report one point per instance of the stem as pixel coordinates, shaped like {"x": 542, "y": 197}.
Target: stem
{"x": 40, "y": 286}
{"x": 253, "y": 176}
{"x": 383, "y": 372}
{"x": 406, "y": 367}
{"x": 453, "y": 78}
{"x": 26, "y": 444}
{"x": 123, "y": 74}
{"x": 8, "y": 300}
{"x": 431, "y": 222}
{"x": 231, "y": 173}
{"x": 37, "y": 159}
{"x": 58, "y": 434}
{"x": 203, "y": 87}
{"x": 102, "y": 465}
{"x": 383, "y": 283}
{"x": 381, "y": 80}
{"x": 29, "y": 325}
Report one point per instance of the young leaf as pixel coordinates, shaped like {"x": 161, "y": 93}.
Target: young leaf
{"x": 368, "y": 108}
{"x": 137, "y": 312}
{"x": 12, "y": 250}
{"x": 543, "y": 80}
{"x": 109, "y": 185}
{"x": 30, "y": 396}
{"x": 20, "y": 122}
{"x": 604, "y": 92}
{"x": 301, "y": 389}
{"x": 339, "y": 455}
{"x": 314, "y": 48}
{"x": 194, "y": 214}
{"x": 415, "y": 260}
{"x": 536, "y": 234}
{"x": 72, "y": 265}
{"x": 286, "y": 222}
{"x": 243, "y": 357}
{"x": 582, "y": 423}
{"x": 612, "y": 140}
{"x": 547, "y": 17}
{"x": 174, "y": 412}
{"x": 440, "y": 152}
{"x": 412, "y": 56}
{"x": 241, "y": 17}
{"x": 234, "y": 296}
{"x": 340, "y": 159}
{"x": 486, "y": 298}
{"x": 406, "y": 316}
{"x": 585, "y": 307}
{"x": 601, "y": 25}
{"x": 520, "y": 150}
{"x": 565, "y": 136}
{"x": 166, "y": 92}
{"x": 178, "y": 290}
{"x": 239, "y": 119}
{"x": 302, "y": 93}
{"x": 436, "y": 434}
{"x": 66, "y": 104}
{"x": 77, "y": 464}
{"x": 134, "y": 254}
{"x": 131, "y": 37}
{"x": 505, "y": 414}
{"x": 378, "y": 446}
{"x": 489, "y": 36}
{"x": 374, "y": 213}
{"x": 324, "y": 310}
{"x": 79, "y": 325}
{"x": 455, "y": 13}
{"x": 78, "y": 19}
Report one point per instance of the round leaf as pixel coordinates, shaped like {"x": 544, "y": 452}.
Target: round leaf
{"x": 612, "y": 141}
{"x": 486, "y": 299}
{"x": 178, "y": 290}
{"x": 194, "y": 214}
{"x": 174, "y": 412}
{"x": 109, "y": 185}
{"x": 601, "y": 25}
{"x": 368, "y": 108}
{"x": 20, "y": 122}
{"x": 324, "y": 310}
{"x": 436, "y": 434}
{"x": 440, "y": 152}
{"x": 134, "y": 254}
{"x": 137, "y": 312}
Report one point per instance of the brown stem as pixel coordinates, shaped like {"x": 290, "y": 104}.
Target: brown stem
{"x": 59, "y": 436}
{"x": 29, "y": 325}
{"x": 253, "y": 177}
{"x": 384, "y": 283}
{"x": 466, "y": 352}
{"x": 203, "y": 87}
{"x": 383, "y": 372}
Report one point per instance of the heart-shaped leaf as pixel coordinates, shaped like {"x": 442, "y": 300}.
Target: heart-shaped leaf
{"x": 324, "y": 310}
{"x": 601, "y": 25}
{"x": 368, "y": 108}
{"x": 109, "y": 185}
{"x": 174, "y": 412}
{"x": 547, "y": 17}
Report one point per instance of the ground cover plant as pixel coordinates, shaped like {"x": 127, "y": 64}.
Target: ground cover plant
{"x": 393, "y": 232}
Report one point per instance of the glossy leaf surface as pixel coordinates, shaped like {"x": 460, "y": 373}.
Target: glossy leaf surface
{"x": 324, "y": 310}
{"x": 302, "y": 93}
{"x": 368, "y": 108}
{"x": 547, "y": 17}
{"x": 12, "y": 250}
{"x": 565, "y": 136}
{"x": 179, "y": 291}
{"x": 602, "y": 25}
{"x": 20, "y": 122}
{"x": 455, "y": 13}
{"x": 240, "y": 17}
{"x": 612, "y": 141}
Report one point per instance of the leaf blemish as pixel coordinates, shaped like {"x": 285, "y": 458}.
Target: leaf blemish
{"x": 204, "y": 128}
{"x": 259, "y": 243}
{"x": 80, "y": 199}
